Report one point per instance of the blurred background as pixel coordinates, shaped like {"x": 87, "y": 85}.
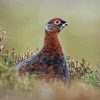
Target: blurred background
{"x": 25, "y": 20}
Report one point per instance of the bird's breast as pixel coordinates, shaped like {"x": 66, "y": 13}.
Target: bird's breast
{"x": 51, "y": 57}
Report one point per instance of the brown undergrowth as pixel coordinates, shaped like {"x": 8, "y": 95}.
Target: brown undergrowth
{"x": 55, "y": 91}
{"x": 13, "y": 87}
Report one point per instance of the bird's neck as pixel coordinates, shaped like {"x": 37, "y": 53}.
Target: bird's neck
{"x": 52, "y": 42}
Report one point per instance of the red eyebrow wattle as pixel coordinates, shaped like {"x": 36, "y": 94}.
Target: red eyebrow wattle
{"x": 57, "y": 20}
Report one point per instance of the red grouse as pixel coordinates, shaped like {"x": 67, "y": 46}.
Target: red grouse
{"x": 51, "y": 56}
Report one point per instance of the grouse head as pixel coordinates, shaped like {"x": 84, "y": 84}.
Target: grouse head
{"x": 55, "y": 25}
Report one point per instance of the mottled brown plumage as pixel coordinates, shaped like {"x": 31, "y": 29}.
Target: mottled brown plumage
{"x": 50, "y": 60}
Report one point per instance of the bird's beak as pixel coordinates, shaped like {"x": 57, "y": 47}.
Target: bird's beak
{"x": 63, "y": 25}
{"x": 66, "y": 24}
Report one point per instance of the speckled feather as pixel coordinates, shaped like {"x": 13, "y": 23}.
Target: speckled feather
{"x": 49, "y": 58}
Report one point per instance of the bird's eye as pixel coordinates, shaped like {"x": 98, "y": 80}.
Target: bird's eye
{"x": 57, "y": 22}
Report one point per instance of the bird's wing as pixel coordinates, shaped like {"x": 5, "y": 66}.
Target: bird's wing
{"x": 34, "y": 64}
{"x": 27, "y": 62}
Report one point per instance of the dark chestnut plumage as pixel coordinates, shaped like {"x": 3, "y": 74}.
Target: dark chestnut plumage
{"x": 50, "y": 60}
